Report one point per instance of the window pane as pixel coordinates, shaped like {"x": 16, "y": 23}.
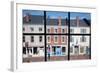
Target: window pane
{"x": 80, "y": 50}
{"x": 57, "y": 22}
{"x": 80, "y": 22}
{"x": 40, "y": 38}
{"x": 57, "y": 46}
{"x": 32, "y": 38}
{"x": 33, "y": 21}
{"x": 33, "y": 48}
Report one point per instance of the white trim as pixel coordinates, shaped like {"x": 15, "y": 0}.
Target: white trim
{"x": 14, "y": 56}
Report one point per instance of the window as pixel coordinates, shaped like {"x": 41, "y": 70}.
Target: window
{"x": 83, "y": 31}
{"x": 71, "y": 39}
{"x": 56, "y": 38}
{"x": 83, "y": 39}
{"x": 71, "y": 30}
{"x": 63, "y": 30}
{"x": 48, "y": 30}
{"x": 32, "y": 38}
{"x": 81, "y": 49}
{"x": 23, "y": 38}
{"x": 48, "y": 39}
{"x": 56, "y": 30}
{"x": 63, "y": 49}
{"x": 23, "y": 29}
{"x": 40, "y": 38}
{"x": 71, "y": 49}
{"x": 40, "y": 29}
{"x": 63, "y": 39}
{"x": 31, "y": 28}
{"x": 87, "y": 50}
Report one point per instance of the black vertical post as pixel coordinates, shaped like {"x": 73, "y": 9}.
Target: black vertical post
{"x": 90, "y": 42}
{"x": 68, "y": 35}
{"x": 45, "y": 35}
{"x": 90, "y": 48}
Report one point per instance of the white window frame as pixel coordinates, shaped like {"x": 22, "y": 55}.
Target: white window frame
{"x": 16, "y": 59}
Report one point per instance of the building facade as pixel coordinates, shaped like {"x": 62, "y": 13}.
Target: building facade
{"x": 79, "y": 44}
{"x": 48, "y": 38}
{"x": 58, "y": 43}
{"x": 33, "y": 45}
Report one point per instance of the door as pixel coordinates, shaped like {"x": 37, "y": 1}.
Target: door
{"x": 76, "y": 50}
{"x": 58, "y": 51}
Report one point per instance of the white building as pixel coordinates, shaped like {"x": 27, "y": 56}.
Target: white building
{"x": 33, "y": 44}
{"x": 79, "y": 44}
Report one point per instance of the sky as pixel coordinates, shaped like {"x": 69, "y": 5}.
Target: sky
{"x": 54, "y": 14}
{"x": 32, "y": 12}
{"x": 80, "y": 14}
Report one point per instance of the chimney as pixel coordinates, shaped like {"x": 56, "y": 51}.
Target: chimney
{"x": 59, "y": 20}
{"x": 27, "y": 18}
{"x": 77, "y": 20}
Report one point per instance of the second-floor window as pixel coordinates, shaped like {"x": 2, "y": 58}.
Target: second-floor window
{"x": 32, "y": 38}
{"x": 56, "y": 38}
{"x": 48, "y": 39}
{"x": 63, "y": 30}
{"x": 40, "y": 38}
{"x": 83, "y": 39}
{"x": 71, "y": 39}
{"x": 48, "y": 30}
{"x": 71, "y": 30}
{"x": 63, "y": 39}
